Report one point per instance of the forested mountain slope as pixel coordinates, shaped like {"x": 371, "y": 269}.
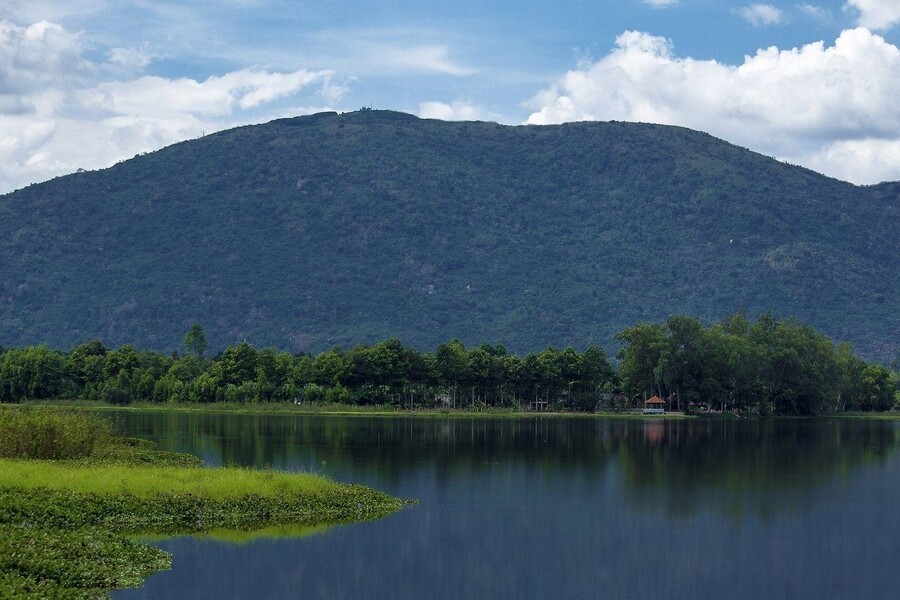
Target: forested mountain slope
{"x": 337, "y": 229}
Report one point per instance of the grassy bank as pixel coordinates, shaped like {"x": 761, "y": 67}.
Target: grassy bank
{"x": 393, "y": 411}
{"x": 346, "y": 410}
{"x": 68, "y": 525}
{"x": 488, "y": 412}
{"x": 891, "y": 415}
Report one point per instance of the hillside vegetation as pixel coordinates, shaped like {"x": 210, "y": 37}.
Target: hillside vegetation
{"x": 332, "y": 229}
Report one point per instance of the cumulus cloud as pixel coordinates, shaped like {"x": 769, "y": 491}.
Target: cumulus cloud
{"x": 59, "y": 111}
{"x": 761, "y": 14}
{"x": 875, "y": 158}
{"x": 457, "y": 111}
{"x": 876, "y": 14}
{"x": 831, "y": 108}
{"x": 38, "y": 54}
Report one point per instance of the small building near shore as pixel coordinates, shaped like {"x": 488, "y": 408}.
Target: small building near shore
{"x": 654, "y": 406}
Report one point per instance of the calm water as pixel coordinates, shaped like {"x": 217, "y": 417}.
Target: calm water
{"x": 558, "y": 508}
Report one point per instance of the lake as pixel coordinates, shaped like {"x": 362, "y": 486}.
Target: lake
{"x": 556, "y": 508}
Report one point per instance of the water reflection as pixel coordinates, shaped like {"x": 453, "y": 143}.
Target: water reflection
{"x": 745, "y": 462}
{"x": 549, "y": 507}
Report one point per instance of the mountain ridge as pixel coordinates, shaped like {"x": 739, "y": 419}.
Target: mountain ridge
{"x": 307, "y": 232}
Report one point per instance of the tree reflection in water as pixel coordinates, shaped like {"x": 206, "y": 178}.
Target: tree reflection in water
{"x": 733, "y": 467}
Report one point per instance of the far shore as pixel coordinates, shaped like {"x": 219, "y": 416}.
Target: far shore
{"x": 337, "y": 410}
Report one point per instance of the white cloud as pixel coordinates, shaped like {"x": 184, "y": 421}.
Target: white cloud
{"x": 457, "y": 111}
{"x": 660, "y": 3}
{"x": 377, "y": 51}
{"x": 426, "y": 59}
{"x": 60, "y": 112}
{"x": 761, "y": 14}
{"x": 130, "y": 59}
{"x": 39, "y": 54}
{"x": 876, "y": 14}
{"x": 868, "y": 160}
{"x": 30, "y": 11}
{"x": 215, "y": 97}
{"x": 813, "y": 11}
{"x": 830, "y": 108}
{"x": 363, "y": 53}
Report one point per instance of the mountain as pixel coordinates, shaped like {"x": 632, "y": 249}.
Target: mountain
{"x": 337, "y": 229}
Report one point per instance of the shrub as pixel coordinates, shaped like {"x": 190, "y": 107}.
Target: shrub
{"x": 313, "y": 393}
{"x": 50, "y": 434}
{"x": 116, "y": 396}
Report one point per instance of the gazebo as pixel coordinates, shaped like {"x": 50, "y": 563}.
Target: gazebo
{"x": 654, "y": 406}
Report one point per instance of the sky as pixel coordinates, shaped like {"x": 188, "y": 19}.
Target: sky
{"x": 86, "y": 84}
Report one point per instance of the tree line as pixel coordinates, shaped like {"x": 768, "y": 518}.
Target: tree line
{"x": 770, "y": 366}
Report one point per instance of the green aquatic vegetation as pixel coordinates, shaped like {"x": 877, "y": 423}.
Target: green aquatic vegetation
{"x": 186, "y": 512}
{"x": 69, "y": 528}
{"x": 83, "y": 563}
{"x": 53, "y": 511}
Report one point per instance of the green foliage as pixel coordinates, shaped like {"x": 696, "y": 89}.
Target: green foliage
{"x": 302, "y": 234}
{"x": 50, "y": 434}
{"x": 767, "y": 365}
{"x": 770, "y": 366}
{"x": 195, "y": 340}
{"x": 33, "y": 373}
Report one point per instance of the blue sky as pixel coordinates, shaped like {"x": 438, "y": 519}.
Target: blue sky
{"x": 83, "y": 85}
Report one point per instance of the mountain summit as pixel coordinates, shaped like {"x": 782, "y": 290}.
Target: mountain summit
{"x": 336, "y": 229}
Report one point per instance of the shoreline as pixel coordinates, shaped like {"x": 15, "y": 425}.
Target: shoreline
{"x": 339, "y": 410}
{"x": 342, "y": 410}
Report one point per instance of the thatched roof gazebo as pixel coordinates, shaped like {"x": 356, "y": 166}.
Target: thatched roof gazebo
{"x": 654, "y": 406}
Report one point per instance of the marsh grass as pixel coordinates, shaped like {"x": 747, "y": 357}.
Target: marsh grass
{"x": 68, "y": 525}
{"x": 27, "y": 432}
{"x": 114, "y": 479}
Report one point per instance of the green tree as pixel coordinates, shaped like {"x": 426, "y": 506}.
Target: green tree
{"x": 195, "y": 340}
{"x": 639, "y": 357}
{"x": 452, "y": 364}
{"x": 238, "y": 364}
{"x": 35, "y": 372}
{"x": 330, "y": 368}
{"x": 86, "y": 364}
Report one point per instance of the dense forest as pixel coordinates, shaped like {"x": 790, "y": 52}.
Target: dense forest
{"x": 336, "y": 229}
{"x": 767, "y": 366}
